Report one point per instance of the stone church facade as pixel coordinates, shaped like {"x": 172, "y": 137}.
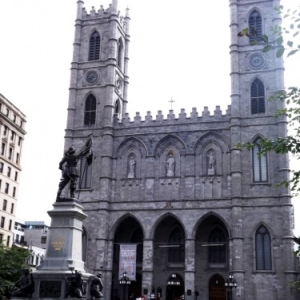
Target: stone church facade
{"x": 196, "y": 205}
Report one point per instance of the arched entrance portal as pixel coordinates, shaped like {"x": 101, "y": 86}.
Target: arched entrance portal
{"x": 217, "y": 290}
{"x": 128, "y": 232}
{"x": 211, "y": 254}
{"x": 175, "y": 287}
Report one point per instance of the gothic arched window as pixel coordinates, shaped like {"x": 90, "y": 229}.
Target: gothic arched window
{"x": 90, "y": 111}
{"x": 260, "y": 173}
{"x": 84, "y": 244}
{"x": 255, "y": 26}
{"x": 94, "y": 47}
{"x": 263, "y": 249}
{"x": 120, "y": 53}
{"x": 257, "y": 97}
{"x": 176, "y": 246}
{"x": 217, "y": 251}
{"x": 85, "y": 176}
{"x": 137, "y": 238}
{"x": 117, "y": 107}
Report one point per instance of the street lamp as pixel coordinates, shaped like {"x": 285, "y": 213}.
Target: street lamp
{"x": 174, "y": 280}
{"x": 124, "y": 281}
{"x": 152, "y": 295}
{"x": 230, "y": 283}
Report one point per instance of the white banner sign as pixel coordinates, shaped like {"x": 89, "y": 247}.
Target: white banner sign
{"x": 127, "y": 262}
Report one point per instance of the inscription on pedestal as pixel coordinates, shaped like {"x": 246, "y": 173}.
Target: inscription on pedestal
{"x": 58, "y": 244}
{"x": 50, "y": 289}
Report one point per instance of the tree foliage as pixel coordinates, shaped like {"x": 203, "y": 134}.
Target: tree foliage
{"x": 284, "y": 39}
{"x": 12, "y": 262}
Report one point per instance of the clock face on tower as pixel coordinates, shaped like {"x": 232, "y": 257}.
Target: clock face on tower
{"x": 256, "y": 61}
{"x": 91, "y": 77}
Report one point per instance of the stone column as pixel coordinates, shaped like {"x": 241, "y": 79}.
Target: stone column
{"x": 147, "y": 281}
{"x": 190, "y": 262}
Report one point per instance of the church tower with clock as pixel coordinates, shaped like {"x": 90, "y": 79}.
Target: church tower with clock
{"x": 173, "y": 202}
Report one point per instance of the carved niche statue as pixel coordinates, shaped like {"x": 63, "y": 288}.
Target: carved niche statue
{"x": 96, "y": 287}
{"x": 131, "y": 167}
{"x": 170, "y": 165}
{"x": 211, "y": 164}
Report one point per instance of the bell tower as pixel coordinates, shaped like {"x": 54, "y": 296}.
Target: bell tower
{"x": 99, "y": 78}
{"x": 254, "y": 77}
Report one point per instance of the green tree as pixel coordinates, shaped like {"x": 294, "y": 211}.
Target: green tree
{"x": 12, "y": 262}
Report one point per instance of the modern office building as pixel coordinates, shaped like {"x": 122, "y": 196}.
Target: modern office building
{"x": 36, "y": 233}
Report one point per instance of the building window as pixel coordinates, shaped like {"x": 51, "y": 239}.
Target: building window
{"x": 255, "y": 26}
{"x": 8, "y": 241}
{"x": 16, "y": 176}
{"x": 15, "y": 118}
{"x": 117, "y": 107}
{"x": 176, "y": 246}
{"x": 5, "y": 130}
{"x": 6, "y": 188}
{"x": 1, "y": 237}
{"x": 17, "y": 158}
{"x": 85, "y": 175}
{"x": 90, "y": 111}
{"x": 7, "y": 112}
{"x": 263, "y": 249}
{"x": 4, "y": 206}
{"x": 257, "y": 97}
{"x": 94, "y": 50}
{"x": 43, "y": 240}
{"x": 1, "y": 167}
{"x": 260, "y": 163}
{"x": 2, "y": 148}
{"x": 2, "y": 224}
{"x": 14, "y": 192}
{"x": 21, "y": 123}
{"x": 120, "y": 53}
{"x": 12, "y": 208}
{"x": 0, "y": 183}
{"x": 20, "y": 140}
{"x": 217, "y": 250}
{"x": 8, "y": 171}
{"x": 10, "y": 153}
{"x": 10, "y": 225}
{"x": 12, "y": 137}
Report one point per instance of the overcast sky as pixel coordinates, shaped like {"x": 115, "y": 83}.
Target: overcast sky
{"x": 178, "y": 49}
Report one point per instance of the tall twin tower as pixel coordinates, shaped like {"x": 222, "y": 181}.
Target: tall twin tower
{"x": 173, "y": 199}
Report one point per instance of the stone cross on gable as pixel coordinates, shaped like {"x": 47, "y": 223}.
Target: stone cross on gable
{"x": 171, "y": 101}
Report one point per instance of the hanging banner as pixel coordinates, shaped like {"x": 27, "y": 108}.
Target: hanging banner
{"x": 127, "y": 262}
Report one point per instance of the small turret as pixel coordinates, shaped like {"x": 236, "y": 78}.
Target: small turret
{"x": 114, "y": 7}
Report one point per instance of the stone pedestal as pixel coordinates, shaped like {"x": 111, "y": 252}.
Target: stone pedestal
{"x": 64, "y": 251}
